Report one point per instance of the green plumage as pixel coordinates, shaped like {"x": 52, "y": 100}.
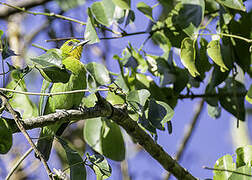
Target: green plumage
{"x": 71, "y": 51}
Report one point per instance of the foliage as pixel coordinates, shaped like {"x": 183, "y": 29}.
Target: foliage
{"x": 150, "y": 85}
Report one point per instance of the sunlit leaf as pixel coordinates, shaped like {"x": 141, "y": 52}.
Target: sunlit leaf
{"x": 187, "y": 56}
{"x": 244, "y": 156}
{"x": 214, "y": 52}
{"x": 245, "y": 170}
{"x": 225, "y": 162}
{"x": 90, "y": 32}
{"x": 99, "y": 72}
{"x": 77, "y": 167}
{"x": 100, "y": 166}
{"x": 234, "y": 4}
{"x": 124, "y": 4}
{"x": 5, "y": 137}
{"x": 145, "y": 9}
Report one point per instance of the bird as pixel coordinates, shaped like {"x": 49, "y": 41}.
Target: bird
{"x": 71, "y": 54}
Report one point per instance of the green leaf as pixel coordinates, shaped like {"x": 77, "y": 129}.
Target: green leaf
{"x": 106, "y": 12}
{"x": 234, "y": 4}
{"x": 104, "y": 137}
{"x": 162, "y": 40}
{"x": 142, "y": 64}
{"x": 66, "y": 4}
{"x": 99, "y": 72}
{"x": 159, "y": 113}
{"x": 124, "y": 4}
{"x": 214, "y": 52}
{"x": 1, "y": 33}
{"x": 181, "y": 81}
{"x": 145, "y": 9}
{"x": 55, "y": 74}
{"x": 137, "y": 99}
{"x": 43, "y": 99}
{"x": 89, "y": 101}
{"x": 90, "y": 32}
{"x": 21, "y": 102}
{"x": 91, "y": 83}
{"x": 245, "y": 170}
{"x": 100, "y": 166}
{"x": 233, "y": 104}
{"x": 190, "y": 16}
{"x": 213, "y": 101}
{"x": 5, "y": 137}
{"x": 130, "y": 17}
{"x": 77, "y": 167}
{"x": 7, "y": 52}
{"x": 225, "y": 162}
{"x": 244, "y": 156}
{"x": 53, "y": 57}
{"x": 249, "y": 95}
{"x": 217, "y": 76}
{"x": 187, "y": 56}
{"x": 213, "y": 111}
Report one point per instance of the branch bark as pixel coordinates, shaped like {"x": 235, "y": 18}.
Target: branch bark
{"x": 7, "y": 11}
{"x": 121, "y": 117}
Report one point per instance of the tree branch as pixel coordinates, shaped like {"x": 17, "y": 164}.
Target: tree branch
{"x": 7, "y": 11}
{"x": 119, "y": 116}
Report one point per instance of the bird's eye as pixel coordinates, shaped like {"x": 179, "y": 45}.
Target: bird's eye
{"x": 70, "y": 43}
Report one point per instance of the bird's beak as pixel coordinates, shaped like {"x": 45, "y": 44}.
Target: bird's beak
{"x": 82, "y": 43}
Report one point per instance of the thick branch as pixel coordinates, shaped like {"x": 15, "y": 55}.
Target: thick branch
{"x": 7, "y": 11}
{"x": 119, "y": 116}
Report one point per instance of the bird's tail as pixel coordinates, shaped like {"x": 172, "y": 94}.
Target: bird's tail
{"x": 44, "y": 143}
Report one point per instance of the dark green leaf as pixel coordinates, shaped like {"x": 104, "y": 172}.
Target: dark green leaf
{"x": 214, "y": 52}
{"x": 99, "y": 72}
{"x": 100, "y": 166}
{"x": 190, "y": 16}
{"x": 124, "y": 4}
{"x": 55, "y": 74}
{"x": 249, "y": 95}
{"x": 187, "y": 56}
{"x": 244, "y": 156}
{"x": 234, "y": 4}
{"x": 5, "y": 137}
{"x": 145, "y": 9}
{"x": 77, "y": 167}
{"x": 233, "y": 104}
{"x": 225, "y": 162}
{"x": 213, "y": 101}
{"x": 105, "y": 137}
{"x": 169, "y": 127}
{"x": 181, "y": 81}
{"x": 159, "y": 113}
{"x": 90, "y": 32}
{"x": 217, "y": 76}
{"x": 130, "y": 17}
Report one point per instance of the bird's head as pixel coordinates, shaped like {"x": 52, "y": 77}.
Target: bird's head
{"x": 73, "y": 48}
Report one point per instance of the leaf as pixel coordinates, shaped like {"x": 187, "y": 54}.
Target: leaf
{"x": 66, "y": 4}
{"x": 159, "y": 113}
{"x": 233, "y": 104}
{"x": 145, "y": 9}
{"x": 181, "y": 81}
{"x": 77, "y": 167}
{"x": 100, "y": 166}
{"x": 217, "y": 76}
{"x": 1, "y": 33}
{"x": 91, "y": 83}
{"x": 99, "y": 72}
{"x": 52, "y": 57}
{"x": 21, "y": 102}
{"x": 244, "y": 156}
{"x": 90, "y": 32}
{"x": 7, "y": 52}
{"x": 5, "y": 136}
{"x": 104, "y": 137}
{"x": 249, "y": 95}
{"x": 106, "y": 12}
{"x": 245, "y": 170}
{"x": 234, "y": 4}
{"x": 225, "y": 162}
{"x": 55, "y": 74}
{"x": 190, "y": 16}
{"x": 213, "y": 101}
{"x": 124, "y": 4}
{"x": 187, "y": 56}
{"x": 214, "y": 52}
{"x": 43, "y": 99}
{"x": 214, "y": 111}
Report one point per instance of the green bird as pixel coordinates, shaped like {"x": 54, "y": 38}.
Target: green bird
{"x": 71, "y": 53}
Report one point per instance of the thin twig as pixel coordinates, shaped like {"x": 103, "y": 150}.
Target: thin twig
{"x": 18, "y": 163}
{"x": 218, "y": 169}
{"x": 188, "y": 134}
{"x": 23, "y": 130}
{"x": 208, "y": 95}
